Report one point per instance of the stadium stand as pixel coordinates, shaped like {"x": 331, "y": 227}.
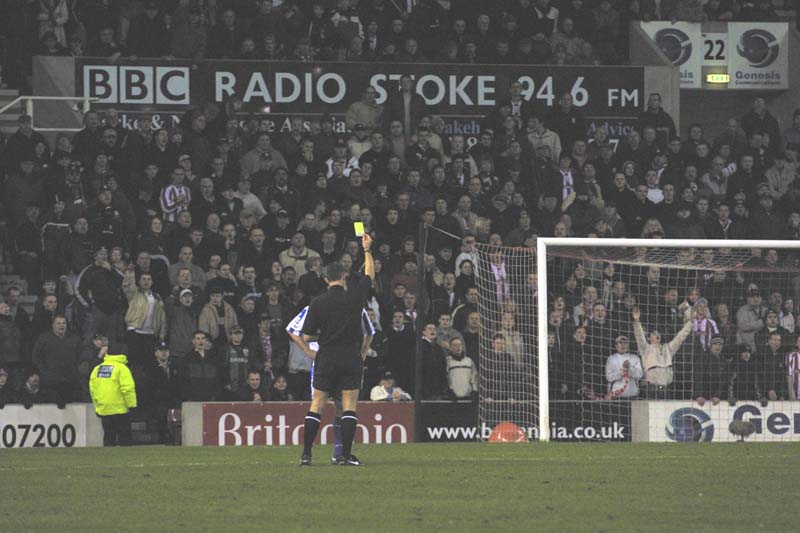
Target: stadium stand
{"x": 147, "y": 235}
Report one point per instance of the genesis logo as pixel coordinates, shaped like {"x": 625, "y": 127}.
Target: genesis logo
{"x": 759, "y": 47}
{"x": 690, "y": 425}
{"x": 675, "y": 44}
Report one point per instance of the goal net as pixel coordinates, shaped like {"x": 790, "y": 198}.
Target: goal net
{"x": 577, "y": 333}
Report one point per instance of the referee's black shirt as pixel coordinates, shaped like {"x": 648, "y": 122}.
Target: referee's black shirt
{"x": 336, "y": 316}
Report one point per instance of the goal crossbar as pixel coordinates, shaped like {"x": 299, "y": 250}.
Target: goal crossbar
{"x": 542, "y": 244}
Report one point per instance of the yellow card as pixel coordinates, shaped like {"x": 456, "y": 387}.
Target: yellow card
{"x": 359, "y": 228}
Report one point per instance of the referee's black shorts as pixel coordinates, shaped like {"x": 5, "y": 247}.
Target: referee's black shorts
{"x": 335, "y": 372}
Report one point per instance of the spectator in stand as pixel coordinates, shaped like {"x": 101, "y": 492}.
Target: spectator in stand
{"x": 145, "y": 318}
{"x": 462, "y": 373}
{"x": 203, "y": 375}
{"x": 163, "y": 382}
{"x": 434, "y": 364}
{"x": 254, "y": 390}
{"x": 11, "y": 356}
{"x": 623, "y": 371}
{"x": 190, "y": 39}
{"x": 388, "y": 391}
{"x": 759, "y": 119}
{"x": 55, "y": 356}
{"x": 7, "y": 395}
{"x": 365, "y": 111}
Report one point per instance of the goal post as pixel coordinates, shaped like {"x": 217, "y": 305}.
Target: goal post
{"x": 664, "y": 280}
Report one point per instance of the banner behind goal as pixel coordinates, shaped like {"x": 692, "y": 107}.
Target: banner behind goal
{"x": 626, "y": 320}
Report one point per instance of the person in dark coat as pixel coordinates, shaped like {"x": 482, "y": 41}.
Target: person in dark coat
{"x": 744, "y": 383}
{"x": 164, "y": 390}
{"x": 567, "y": 121}
{"x": 32, "y": 393}
{"x": 10, "y": 346}
{"x": 253, "y": 390}
{"x": 203, "y": 375}
{"x": 99, "y": 287}
{"x": 400, "y": 351}
{"x": 434, "y": 372}
{"x": 772, "y": 369}
{"x": 6, "y": 392}
{"x": 712, "y": 374}
{"x": 55, "y": 356}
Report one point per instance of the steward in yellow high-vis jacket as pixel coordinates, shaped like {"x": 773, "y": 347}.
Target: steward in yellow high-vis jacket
{"x": 114, "y": 395}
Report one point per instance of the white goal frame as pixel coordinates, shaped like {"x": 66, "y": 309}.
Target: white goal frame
{"x": 541, "y": 270}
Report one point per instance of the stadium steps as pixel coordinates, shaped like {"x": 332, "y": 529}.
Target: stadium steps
{"x": 8, "y": 120}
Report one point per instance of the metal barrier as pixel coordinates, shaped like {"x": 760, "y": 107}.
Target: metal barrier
{"x": 28, "y": 101}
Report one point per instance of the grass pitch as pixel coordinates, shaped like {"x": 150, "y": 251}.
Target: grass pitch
{"x": 420, "y": 487}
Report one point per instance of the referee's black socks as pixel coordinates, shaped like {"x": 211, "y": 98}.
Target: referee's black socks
{"x": 311, "y": 429}
{"x": 349, "y": 422}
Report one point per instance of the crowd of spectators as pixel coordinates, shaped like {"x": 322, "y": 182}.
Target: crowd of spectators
{"x": 579, "y": 32}
{"x": 205, "y": 240}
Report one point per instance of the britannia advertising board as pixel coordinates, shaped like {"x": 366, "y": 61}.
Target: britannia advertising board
{"x": 281, "y": 423}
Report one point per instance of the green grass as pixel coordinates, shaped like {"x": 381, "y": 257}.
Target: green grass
{"x": 445, "y": 487}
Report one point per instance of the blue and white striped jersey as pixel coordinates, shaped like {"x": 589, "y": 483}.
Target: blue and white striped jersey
{"x": 295, "y": 326}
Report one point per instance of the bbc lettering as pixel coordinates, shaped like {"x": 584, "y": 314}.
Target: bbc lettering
{"x": 136, "y": 84}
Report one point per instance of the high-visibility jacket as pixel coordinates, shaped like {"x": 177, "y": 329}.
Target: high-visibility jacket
{"x": 112, "y": 387}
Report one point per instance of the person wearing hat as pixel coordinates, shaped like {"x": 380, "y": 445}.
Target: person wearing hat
{"x": 238, "y": 361}
{"x": 113, "y": 394}
{"x": 772, "y": 324}
{"x": 745, "y": 383}
{"x": 21, "y": 143}
{"x": 182, "y": 319}
{"x": 657, "y": 356}
{"x": 711, "y": 374}
{"x": 623, "y": 370}
{"x": 163, "y": 386}
{"x": 388, "y": 391}
{"x": 360, "y": 142}
{"x": 750, "y": 317}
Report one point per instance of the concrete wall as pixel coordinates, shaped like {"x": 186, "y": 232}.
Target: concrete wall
{"x": 659, "y": 76}
{"x": 712, "y": 108}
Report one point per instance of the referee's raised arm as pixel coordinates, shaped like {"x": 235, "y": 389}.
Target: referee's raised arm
{"x": 369, "y": 264}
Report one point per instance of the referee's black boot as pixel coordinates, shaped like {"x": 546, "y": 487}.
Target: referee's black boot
{"x": 349, "y": 461}
{"x": 305, "y": 459}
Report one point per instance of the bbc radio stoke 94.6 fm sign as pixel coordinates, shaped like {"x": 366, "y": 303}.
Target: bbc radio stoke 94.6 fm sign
{"x": 316, "y": 88}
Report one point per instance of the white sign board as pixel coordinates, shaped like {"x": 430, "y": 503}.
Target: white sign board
{"x": 682, "y": 44}
{"x": 47, "y": 426}
{"x": 684, "y": 421}
{"x": 760, "y": 58}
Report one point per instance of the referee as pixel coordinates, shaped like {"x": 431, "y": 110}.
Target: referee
{"x": 334, "y": 321}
